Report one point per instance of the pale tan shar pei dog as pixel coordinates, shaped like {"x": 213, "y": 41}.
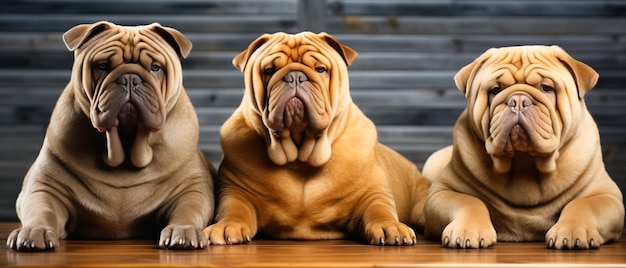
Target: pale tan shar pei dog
{"x": 120, "y": 158}
{"x": 526, "y": 163}
{"x": 301, "y": 161}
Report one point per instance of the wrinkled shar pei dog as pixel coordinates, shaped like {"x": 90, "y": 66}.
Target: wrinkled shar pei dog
{"x": 120, "y": 158}
{"x": 301, "y": 161}
{"x": 526, "y": 162}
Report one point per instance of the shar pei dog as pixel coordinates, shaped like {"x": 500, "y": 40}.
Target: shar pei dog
{"x": 526, "y": 162}
{"x": 120, "y": 158}
{"x": 301, "y": 161}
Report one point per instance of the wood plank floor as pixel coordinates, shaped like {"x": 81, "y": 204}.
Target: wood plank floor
{"x": 334, "y": 253}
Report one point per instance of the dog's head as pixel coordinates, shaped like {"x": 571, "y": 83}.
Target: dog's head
{"x": 525, "y": 99}
{"x": 297, "y": 85}
{"x": 126, "y": 79}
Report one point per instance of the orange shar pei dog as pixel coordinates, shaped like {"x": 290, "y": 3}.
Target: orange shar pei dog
{"x": 120, "y": 158}
{"x": 301, "y": 161}
{"x": 526, "y": 163}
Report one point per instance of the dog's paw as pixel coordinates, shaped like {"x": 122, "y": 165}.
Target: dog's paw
{"x": 228, "y": 233}
{"x": 390, "y": 233}
{"x": 573, "y": 235}
{"x": 33, "y": 238}
{"x": 461, "y": 234}
{"x": 182, "y": 237}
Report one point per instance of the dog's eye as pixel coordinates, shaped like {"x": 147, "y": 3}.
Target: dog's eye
{"x": 155, "y": 68}
{"x": 320, "y": 69}
{"x": 547, "y": 88}
{"x": 269, "y": 70}
{"x": 103, "y": 66}
{"x": 495, "y": 90}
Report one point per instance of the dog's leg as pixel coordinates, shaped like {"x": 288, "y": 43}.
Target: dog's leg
{"x": 236, "y": 222}
{"x": 186, "y": 217}
{"x": 462, "y": 220}
{"x": 43, "y": 220}
{"x": 587, "y": 223}
{"x": 381, "y": 225}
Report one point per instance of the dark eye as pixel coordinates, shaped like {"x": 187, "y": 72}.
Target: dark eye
{"x": 547, "y": 88}
{"x": 155, "y": 68}
{"x": 495, "y": 90}
{"x": 320, "y": 69}
{"x": 103, "y": 66}
{"x": 269, "y": 70}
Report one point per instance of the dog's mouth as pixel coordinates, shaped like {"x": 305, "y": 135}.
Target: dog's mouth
{"x": 521, "y": 124}
{"x": 297, "y": 115}
{"x": 512, "y": 137}
{"x": 294, "y": 122}
{"x": 296, "y": 109}
{"x": 127, "y": 110}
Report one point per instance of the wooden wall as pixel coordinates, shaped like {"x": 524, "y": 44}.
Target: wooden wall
{"x": 409, "y": 52}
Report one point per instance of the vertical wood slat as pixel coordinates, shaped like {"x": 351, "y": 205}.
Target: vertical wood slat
{"x": 311, "y": 15}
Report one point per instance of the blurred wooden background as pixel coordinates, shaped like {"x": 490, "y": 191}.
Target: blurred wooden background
{"x": 409, "y": 52}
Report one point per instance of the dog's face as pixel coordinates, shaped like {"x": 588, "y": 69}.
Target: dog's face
{"x": 525, "y": 99}
{"x": 127, "y": 79}
{"x": 296, "y": 84}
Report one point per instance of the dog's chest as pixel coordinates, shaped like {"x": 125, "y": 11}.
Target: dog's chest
{"x": 114, "y": 214}
{"x": 311, "y": 210}
{"x": 524, "y": 226}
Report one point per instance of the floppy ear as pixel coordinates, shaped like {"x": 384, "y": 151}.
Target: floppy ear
{"x": 347, "y": 53}
{"x": 464, "y": 77}
{"x": 176, "y": 39}
{"x": 241, "y": 60}
{"x": 585, "y": 76}
{"x": 79, "y": 34}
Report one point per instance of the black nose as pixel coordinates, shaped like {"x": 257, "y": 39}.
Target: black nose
{"x": 295, "y": 78}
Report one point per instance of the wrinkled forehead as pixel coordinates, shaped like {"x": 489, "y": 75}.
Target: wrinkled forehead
{"x": 522, "y": 63}
{"x": 128, "y": 44}
{"x": 287, "y": 48}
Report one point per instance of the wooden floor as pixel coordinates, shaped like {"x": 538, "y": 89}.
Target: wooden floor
{"x": 338, "y": 253}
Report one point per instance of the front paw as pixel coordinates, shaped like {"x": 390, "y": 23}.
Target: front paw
{"x": 392, "y": 233}
{"x": 182, "y": 237}
{"x": 33, "y": 238}
{"x": 228, "y": 233}
{"x": 573, "y": 235}
{"x": 465, "y": 234}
